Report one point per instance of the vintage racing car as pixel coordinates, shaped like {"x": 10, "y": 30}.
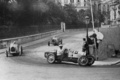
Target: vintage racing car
{"x": 55, "y": 41}
{"x": 69, "y": 56}
{"x": 14, "y": 49}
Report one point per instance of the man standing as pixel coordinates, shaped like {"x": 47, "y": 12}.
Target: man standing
{"x": 97, "y": 38}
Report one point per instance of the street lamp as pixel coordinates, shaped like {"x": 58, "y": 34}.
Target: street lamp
{"x": 87, "y": 21}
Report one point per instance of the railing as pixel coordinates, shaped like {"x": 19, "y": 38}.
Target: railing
{"x": 25, "y": 39}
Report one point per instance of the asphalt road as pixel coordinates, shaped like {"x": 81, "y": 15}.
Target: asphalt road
{"x": 33, "y": 66}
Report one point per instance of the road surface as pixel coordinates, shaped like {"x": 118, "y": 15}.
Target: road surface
{"x": 33, "y": 66}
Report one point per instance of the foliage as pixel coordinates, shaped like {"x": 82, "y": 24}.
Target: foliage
{"x": 38, "y": 12}
{"x": 71, "y": 14}
{"x": 30, "y": 12}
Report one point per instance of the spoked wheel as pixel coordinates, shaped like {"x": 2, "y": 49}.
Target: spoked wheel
{"x": 61, "y": 42}
{"x": 51, "y": 58}
{"x": 48, "y": 43}
{"x": 6, "y": 53}
{"x": 21, "y": 51}
{"x": 91, "y": 60}
{"x": 46, "y": 54}
{"x": 83, "y": 61}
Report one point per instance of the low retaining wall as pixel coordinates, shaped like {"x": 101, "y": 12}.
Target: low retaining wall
{"x": 111, "y": 38}
{"x": 25, "y": 39}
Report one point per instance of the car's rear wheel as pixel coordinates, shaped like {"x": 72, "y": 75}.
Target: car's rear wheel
{"x": 51, "y": 58}
{"x": 6, "y": 53}
{"x": 83, "y": 61}
{"x": 21, "y": 51}
{"x": 91, "y": 60}
{"x": 48, "y": 43}
{"x": 61, "y": 41}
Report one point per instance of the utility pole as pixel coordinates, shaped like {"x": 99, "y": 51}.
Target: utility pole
{"x": 92, "y": 14}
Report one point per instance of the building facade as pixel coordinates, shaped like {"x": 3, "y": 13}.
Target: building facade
{"x": 79, "y": 4}
{"x": 115, "y": 11}
{"x": 112, "y": 7}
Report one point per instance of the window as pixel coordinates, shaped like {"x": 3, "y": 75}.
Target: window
{"x": 72, "y": 1}
{"x": 84, "y": 2}
{"x": 65, "y": 1}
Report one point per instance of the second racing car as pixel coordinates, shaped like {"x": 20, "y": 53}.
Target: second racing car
{"x": 14, "y": 49}
{"x": 55, "y": 41}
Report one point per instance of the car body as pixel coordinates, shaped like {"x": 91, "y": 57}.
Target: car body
{"x": 69, "y": 56}
{"x": 14, "y": 49}
{"x": 55, "y": 41}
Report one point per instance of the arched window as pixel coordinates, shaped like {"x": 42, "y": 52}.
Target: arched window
{"x": 72, "y": 1}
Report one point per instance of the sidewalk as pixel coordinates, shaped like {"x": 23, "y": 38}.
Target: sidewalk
{"x": 107, "y": 62}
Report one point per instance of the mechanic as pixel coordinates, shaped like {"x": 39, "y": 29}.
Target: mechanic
{"x": 98, "y": 39}
{"x": 98, "y": 36}
{"x": 86, "y": 44}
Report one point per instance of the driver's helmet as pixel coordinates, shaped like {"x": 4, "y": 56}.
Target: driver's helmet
{"x": 61, "y": 46}
{"x": 14, "y": 42}
{"x": 54, "y": 38}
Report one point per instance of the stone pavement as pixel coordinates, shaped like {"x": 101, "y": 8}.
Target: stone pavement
{"x": 108, "y": 62}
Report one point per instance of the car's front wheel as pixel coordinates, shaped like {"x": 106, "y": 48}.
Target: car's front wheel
{"x": 51, "y": 58}
{"x": 21, "y": 51}
{"x": 83, "y": 61}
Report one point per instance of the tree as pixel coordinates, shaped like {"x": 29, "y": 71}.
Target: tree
{"x": 71, "y": 14}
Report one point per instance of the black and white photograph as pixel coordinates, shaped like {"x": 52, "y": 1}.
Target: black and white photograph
{"x": 59, "y": 39}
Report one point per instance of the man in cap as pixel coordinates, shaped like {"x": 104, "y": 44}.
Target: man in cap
{"x": 60, "y": 50}
{"x": 62, "y": 53}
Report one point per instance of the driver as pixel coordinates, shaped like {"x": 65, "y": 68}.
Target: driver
{"x": 54, "y": 38}
{"x": 14, "y": 44}
{"x": 60, "y": 50}
{"x": 62, "y": 53}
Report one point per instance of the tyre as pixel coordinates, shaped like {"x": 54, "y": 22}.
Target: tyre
{"x": 83, "y": 61}
{"x": 48, "y": 43}
{"x": 61, "y": 41}
{"x": 51, "y": 58}
{"x": 91, "y": 60}
{"x": 6, "y": 53}
{"x": 46, "y": 54}
{"x": 21, "y": 51}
